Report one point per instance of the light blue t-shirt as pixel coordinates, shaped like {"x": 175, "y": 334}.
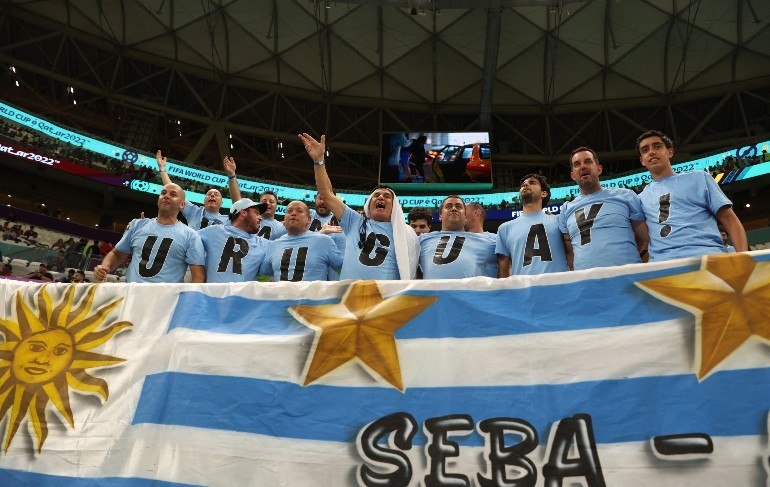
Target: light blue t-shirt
{"x": 304, "y": 257}
{"x": 232, "y": 254}
{"x": 377, "y": 258}
{"x": 534, "y": 244}
{"x": 599, "y": 226}
{"x": 271, "y": 229}
{"x": 681, "y": 215}
{"x": 197, "y": 217}
{"x": 317, "y": 221}
{"x": 455, "y": 254}
{"x": 491, "y": 268}
{"x": 160, "y": 253}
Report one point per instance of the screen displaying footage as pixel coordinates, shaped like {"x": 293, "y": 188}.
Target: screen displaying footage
{"x": 448, "y": 160}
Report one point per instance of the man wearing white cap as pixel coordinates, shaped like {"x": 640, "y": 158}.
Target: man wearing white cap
{"x": 379, "y": 244}
{"x": 234, "y": 253}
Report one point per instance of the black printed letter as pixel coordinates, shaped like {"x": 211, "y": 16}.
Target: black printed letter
{"x": 299, "y": 264}
{"x": 366, "y": 257}
{"x": 543, "y": 250}
{"x": 585, "y": 465}
{"x": 439, "y": 449}
{"x": 585, "y": 224}
{"x": 229, "y": 253}
{"x": 501, "y": 456}
{"x": 403, "y": 427}
{"x": 454, "y": 252}
{"x": 160, "y": 256}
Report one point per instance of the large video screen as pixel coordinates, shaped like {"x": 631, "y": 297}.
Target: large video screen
{"x": 438, "y": 160}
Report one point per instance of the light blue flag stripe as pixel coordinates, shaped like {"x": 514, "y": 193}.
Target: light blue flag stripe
{"x": 623, "y": 410}
{"x": 593, "y": 303}
{"x": 19, "y": 477}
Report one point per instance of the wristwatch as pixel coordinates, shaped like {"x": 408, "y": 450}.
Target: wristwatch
{"x": 320, "y": 163}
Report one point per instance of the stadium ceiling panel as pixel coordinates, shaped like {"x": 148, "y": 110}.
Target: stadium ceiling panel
{"x": 265, "y": 68}
{"x": 436, "y": 48}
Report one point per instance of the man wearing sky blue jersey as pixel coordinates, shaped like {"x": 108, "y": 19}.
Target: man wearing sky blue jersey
{"x": 378, "y": 244}
{"x": 160, "y": 248}
{"x": 602, "y": 226}
{"x": 682, "y": 209}
{"x": 475, "y": 215}
{"x": 453, "y": 253}
{"x": 301, "y": 255}
{"x": 202, "y": 216}
{"x": 234, "y": 253}
{"x": 532, "y": 243}
{"x": 322, "y": 221}
{"x": 270, "y": 228}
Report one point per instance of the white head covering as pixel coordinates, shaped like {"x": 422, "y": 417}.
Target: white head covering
{"x": 405, "y": 242}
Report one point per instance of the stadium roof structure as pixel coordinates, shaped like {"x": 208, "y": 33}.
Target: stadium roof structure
{"x": 544, "y": 76}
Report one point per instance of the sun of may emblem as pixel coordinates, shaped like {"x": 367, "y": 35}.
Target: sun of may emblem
{"x": 46, "y": 351}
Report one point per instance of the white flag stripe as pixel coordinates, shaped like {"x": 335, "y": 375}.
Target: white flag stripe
{"x": 655, "y": 349}
{"x": 212, "y": 457}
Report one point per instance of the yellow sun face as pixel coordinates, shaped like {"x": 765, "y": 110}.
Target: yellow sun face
{"x": 42, "y": 356}
{"x": 46, "y": 352}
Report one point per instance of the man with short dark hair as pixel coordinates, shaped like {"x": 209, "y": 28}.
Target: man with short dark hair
{"x": 603, "y": 227}
{"x": 68, "y": 277}
{"x": 79, "y": 277}
{"x": 475, "y": 217}
{"x": 160, "y": 248}
{"x": 41, "y": 274}
{"x": 725, "y": 239}
{"x": 202, "y": 216}
{"x": 453, "y": 253}
{"x": 7, "y": 271}
{"x": 269, "y": 227}
{"x": 419, "y": 219}
{"x": 234, "y": 253}
{"x": 301, "y": 255}
{"x": 532, "y": 243}
{"x": 682, "y": 209}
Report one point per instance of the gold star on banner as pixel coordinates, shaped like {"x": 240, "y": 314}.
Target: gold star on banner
{"x": 730, "y": 298}
{"x": 360, "y": 326}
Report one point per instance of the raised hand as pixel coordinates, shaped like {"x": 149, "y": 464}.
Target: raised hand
{"x": 315, "y": 149}
{"x": 160, "y": 160}
{"x": 229, "y": 164}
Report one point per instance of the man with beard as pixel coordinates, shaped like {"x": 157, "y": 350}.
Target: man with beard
{"x": 378, "y": 244}
{"x": 301, "y": 255}
{"x": 532, "y": 243}
{"x": 682, "y": 209}
{"x": 602, "y": 226}
{"x": 234, "y": 253}
{"x": 202, "y": 216}
{"x": 269, "y": 227}
{"x": 160, "y": 248}
{"x": 474, "y": 223}
{"x": 453, "y": 253}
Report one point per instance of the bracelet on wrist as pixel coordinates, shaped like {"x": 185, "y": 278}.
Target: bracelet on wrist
{"x": 231, "y": 177}
{"x": 162, "y": 170}
{"x": 319, "y": 163}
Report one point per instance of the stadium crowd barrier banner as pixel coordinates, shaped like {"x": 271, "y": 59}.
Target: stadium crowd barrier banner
{"x": 649, "y": 374}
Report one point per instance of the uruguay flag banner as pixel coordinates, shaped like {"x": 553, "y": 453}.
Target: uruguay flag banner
{"x": 648, "y": 374}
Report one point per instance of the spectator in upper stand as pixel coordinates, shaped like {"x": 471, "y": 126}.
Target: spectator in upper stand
{"x": 269, "y": 227}
{"x": 31, "y": 233}
{"x": 59, "y": 245}
{"x": 73, "y": 253}
{"x": 105, "y": 247}
{"x": 419, "y": 219}
{"x": 57, "y": 263}
{"x": 79, "y": 277}
{"x": 202, "y": 216}
{"x": 41, "y": 274}
{"x": 7, "y": 271}
{"x": 69, "y": 277}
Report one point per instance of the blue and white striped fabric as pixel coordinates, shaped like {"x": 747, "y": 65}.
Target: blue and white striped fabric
{"x": 212, "y": 389}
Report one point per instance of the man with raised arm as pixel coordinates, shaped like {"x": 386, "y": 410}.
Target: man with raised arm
{"x": 160, "y": 248}
{"x": 269, "y": 227}
{"x": 378, "y": 244}
{"x": 454, "y": 253}
{"x": 301, "y": 255}
{"x": 202, "y": 216}
{"x": 532, "y": 243}
{"x": 682, "y": 209}
{"x": 234, "y": 253}
{"x": 603, "y": 226}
